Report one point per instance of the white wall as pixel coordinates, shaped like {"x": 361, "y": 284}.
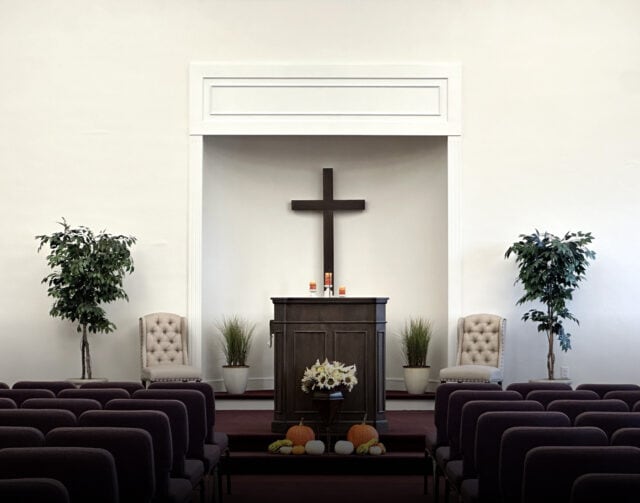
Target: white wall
{"x": 93, "y": 127}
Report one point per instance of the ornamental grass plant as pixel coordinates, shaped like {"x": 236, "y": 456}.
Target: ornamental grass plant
{"x": 237, "y": 335}
{"x": 415, "y": 338}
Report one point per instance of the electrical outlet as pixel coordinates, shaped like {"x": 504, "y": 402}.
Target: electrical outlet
{"x": 564, "y": 372}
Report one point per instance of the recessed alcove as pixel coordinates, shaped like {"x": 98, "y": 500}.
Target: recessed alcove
{"x": 260, "y": 136}
{"x": 255, "y": 247}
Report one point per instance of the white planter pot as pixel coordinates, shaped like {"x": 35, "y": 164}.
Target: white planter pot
{"x": 416, "y": 379}
{"x": 235, "y": 379}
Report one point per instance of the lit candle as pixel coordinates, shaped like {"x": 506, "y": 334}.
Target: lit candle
{"x": 312, "y": 285}
{"x": 342, "y": 291}
{"x": 327, "y": 279}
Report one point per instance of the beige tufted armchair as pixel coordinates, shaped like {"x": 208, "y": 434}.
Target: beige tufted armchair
{"x": 164, "y": 348}
{"x": 480, "y": 348}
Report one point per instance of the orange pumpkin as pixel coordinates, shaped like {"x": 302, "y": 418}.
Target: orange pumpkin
{"x": 300, "y": 434}
{"x": 361, "y": 433}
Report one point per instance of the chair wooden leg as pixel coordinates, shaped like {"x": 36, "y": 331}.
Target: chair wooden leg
{"x": 425, "y": 484}
{"x": 203, "y": 493}
{"x": 216, "y": 485}
{"x": 427, "y": 459}
{"x": 447, "y": 490}
{"x": 228, "y": 463}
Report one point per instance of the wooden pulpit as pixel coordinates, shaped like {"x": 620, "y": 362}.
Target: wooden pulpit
{"x": 348, "y": 329}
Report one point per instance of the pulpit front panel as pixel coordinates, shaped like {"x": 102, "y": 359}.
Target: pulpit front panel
{"x": 352, "y": 347}
{"x": 350, "y": 330}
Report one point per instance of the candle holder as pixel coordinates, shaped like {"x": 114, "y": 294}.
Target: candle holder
{"x": 328, "y": 284}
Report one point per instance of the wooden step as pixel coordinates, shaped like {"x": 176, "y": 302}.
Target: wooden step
{"x": 392, "y": 463}
{"x": 411, "y": 443}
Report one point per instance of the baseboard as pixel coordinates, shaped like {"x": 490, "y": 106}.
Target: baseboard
{"x": 253, "y": 384}
{"x": 263, "y": 389}
{"x": 267, "y": 383}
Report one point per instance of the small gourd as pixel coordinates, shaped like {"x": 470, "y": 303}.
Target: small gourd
{"x": 300, "y": 434}
{"x": 343, "y": 447}
{"x": 315, "y": 447}
{"x": 298, "y": 449}
{"x": 364, "y": 448}
{"x": 375, "y": 450}
{"x": 275, "y": 446}
{"x": 361, "y": 433}
{"x": 285, "y": 449}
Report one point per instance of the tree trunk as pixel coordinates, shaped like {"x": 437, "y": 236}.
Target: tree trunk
{"x": 86, "y": 355}
{"x": 551, "y": 358}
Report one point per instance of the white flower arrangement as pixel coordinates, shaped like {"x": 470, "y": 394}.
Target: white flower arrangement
{"x": 329, "y": 376}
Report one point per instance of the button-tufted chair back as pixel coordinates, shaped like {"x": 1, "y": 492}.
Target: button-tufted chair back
{"x": 480, "y": 348}
{"x": 480, "y": 340}
{"x": 164, "y": 349}
{"x": 164, "y": 340}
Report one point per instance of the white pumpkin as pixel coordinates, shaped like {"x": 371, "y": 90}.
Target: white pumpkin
{"x": 343, "y": 447}
{"x": 375, "y": 450}
{"x": 285, "y": 449}
{"x": 314, "y": 447}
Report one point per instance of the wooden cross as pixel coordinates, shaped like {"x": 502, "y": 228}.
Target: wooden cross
{"x": 328, "y": 205}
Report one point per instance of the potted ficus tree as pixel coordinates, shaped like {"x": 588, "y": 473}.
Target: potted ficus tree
{"x": 415, "y": 337}
{"x": 550, "y": 270}
{"x": 236, "y": 337}
{"x": 88, "y": 271}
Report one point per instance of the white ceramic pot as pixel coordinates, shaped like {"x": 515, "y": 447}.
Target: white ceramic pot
{"x": 235, "y": 379}
{"x": 416, "y": 379}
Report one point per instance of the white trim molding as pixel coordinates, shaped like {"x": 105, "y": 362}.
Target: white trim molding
{"x": 194, "y": 249}
{"x": 324, "y": 99}
{"x": 454, "y": 257}
{"x": 234, "y": 99}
